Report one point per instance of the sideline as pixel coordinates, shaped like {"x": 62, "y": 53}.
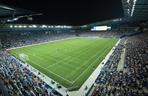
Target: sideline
{"x": 89, "y": 82}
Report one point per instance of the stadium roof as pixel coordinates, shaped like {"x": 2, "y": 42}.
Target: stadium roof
{"x": 135, "y": 10}
{"x": 69, "y": 12}
{"x": 10, "y": 14}
{"x": 6, "y": 11}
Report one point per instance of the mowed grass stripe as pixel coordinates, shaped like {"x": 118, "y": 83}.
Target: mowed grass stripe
{"x": 71, "y": 56}
{"x": 87, "y": 63}
{"x": 81, "y": 52}
{"x": 95, "y": 61}
{"x": 90, "y": 69}
{"x": 70, "y": 59}
{"x": 67, "y": 63}
{"x": 64, "y": 61}
{"x": 75, "y": 53}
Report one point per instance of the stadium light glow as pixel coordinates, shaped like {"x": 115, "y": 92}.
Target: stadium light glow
{"x": 8, "y": 8}
{"x": 30, "y": 26}
{"x": 133, "y": 7}
{"x": 11, "y": 26}
{"x": 128, "y": 1}
{"x": 25, "y": 26}
{"x": 34, "y": 26}
{"x": 57, "y": 26}
{"x": 43, "y": 26}
{"x": 20, "y": 26}
{"x": 15, "y": 26}
{"x": 108, "y": 28}
{"x": 69, "y": 26}
{"x": 50, "y": 26}
{"x": 9, "y": 20}
{"x": 99, "y": 28}
{"x": 128, "y": 11}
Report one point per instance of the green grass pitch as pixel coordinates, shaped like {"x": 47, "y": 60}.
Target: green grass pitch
{"x": 70, "y": 61}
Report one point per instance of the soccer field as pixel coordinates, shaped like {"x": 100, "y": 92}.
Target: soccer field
{"x": 70, "y": 61}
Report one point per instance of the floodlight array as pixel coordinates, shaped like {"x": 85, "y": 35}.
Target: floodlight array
{"x": 40, "y": 26}
{"x": 101, "y": 28}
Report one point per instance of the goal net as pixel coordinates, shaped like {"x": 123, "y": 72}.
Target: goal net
{"x": 23, "y": 57}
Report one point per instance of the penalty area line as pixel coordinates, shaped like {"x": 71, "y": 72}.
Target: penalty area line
{"x": 88, "y": 67}
{"x": 55, "y": 74}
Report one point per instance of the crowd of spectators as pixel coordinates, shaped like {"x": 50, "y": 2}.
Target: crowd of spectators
{"x": 133, "y": 79}
{"x": 102, "y": 34}
{"x": 19, "y": 39}
{"x": 17, "y": 80}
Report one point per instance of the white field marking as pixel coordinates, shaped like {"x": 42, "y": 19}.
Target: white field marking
{"x": 67, "y": 58}
{"x": 59, "y": 75}
{"x": 59, "y": 62}
{"x": 55, "y": 74}
{"x": 45, "y": 43}
{"x": 54, "y": 63}
{"x": 36, "y": 55}
{"x": 91, "y": 79}
{"x": 49, "y": 42}
{"x": 82, "y": 51}
{"x": 51, "y": 59}
{"x": 86, "y": 69}
{"x": 51, "y": 71}
{"x": 85, "y": 62}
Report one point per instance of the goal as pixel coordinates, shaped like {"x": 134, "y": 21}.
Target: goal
{"x": 23, "y": 57}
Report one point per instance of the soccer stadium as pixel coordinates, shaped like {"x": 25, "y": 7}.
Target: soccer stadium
{"x": 73, "y": 48}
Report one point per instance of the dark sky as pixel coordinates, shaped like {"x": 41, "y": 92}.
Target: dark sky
{"x": 69, "y": 12}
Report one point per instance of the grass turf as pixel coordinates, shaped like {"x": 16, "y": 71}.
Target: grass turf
{"x": 70, "y": 61}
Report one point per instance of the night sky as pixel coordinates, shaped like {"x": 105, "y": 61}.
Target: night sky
{"x": 69, "y": 12}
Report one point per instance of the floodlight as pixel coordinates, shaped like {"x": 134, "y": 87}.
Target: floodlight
{"x": 108, "y": 28}
{"x": 34, "y": 26}
{"x": 25, "y": 26}
{"x": 9, "y": 20}
{"x": 20, "y": 26}
{"x": 15, "y": 26}
{"x": 44, "y": 26}
{"x": 11, "y": 26}
{"x": 99, "y": 28}
{"x": 30, "y": 26}
{"x": 15, "y": 19}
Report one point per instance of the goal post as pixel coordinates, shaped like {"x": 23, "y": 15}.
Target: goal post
{"x": 23, "y": 57}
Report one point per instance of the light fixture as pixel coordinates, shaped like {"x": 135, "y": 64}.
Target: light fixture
{"x": 133, "y": 7}
{"x": 11, "y": 26}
